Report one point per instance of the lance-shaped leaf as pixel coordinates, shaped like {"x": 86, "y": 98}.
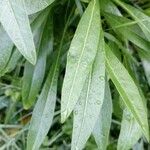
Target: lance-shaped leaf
{"x": 130, "y": 131}
{"x": 80, "y": 57}
{"x": 6, "y": 48}
{"x": 102, "y": 126}
{"x": 128, "y": 90}
{"x": 44, "y": 110}
{"x": 88, "y": 107}
{"x": 142, "y": 19}
{"x": 34, "y": 75}
{"x": 33, "y": 6}
{"x": 15, "y": 21}
{"x": 130, "y": 32}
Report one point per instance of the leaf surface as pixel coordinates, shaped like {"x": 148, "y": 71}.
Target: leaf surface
{"x": 6, "y": 47}
{"x": 130, "y": 131}
{"x": 15, "y": 21}
{"x": 80, "y": 57}
{"x": 142, "y": 19}
{"x": 128, "y": 90}
{"x": 33, "y": 6}
{"x": 88, "y": 107}
{"x": 102, "y": 126}
{"x": 34, "y": 75}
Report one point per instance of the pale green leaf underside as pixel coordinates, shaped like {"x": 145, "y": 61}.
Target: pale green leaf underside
{"x": 128, "y": 90}
{"x": 33, "y": 6}
{"x": 102, "y": 126}
{"x": 15, "y": 21}
{"x": 138, "y": 15}
{"x": 90, "y": 102}
{"x": 6, "y": 47}
{"x": 44, "y": 111}
{"x": 34, "y": 75}
{"x": 80, "y": 57}
{"x": 130, "y": 131}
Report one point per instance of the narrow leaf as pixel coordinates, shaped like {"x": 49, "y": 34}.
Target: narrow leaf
{"x": 15, "y": 21}
{"x": 90, "y": 102}
{"x": 130, "y": 131}
{"x": 102, "y": 126}
{"x": 139, "y": 16}
{"x": 34, "y": 75}
{"x": 6, "y": 47}
{"x": 80, "y": 57}
{"x": 33, "y": 6}
{"x": 128, "y": 90}
{"x": 44, "y": 110}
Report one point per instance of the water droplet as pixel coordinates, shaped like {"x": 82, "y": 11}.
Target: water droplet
{"x": 102, "y": 78}
{"x": 80, "y": 103}
{"x": 98, "y": 102}
{"x": 75, "y": 112}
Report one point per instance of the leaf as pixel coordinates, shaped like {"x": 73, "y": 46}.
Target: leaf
{"x": 139, "y": 16}
{"x": 34, "y": 6}
{"x": 130, "y": 131}
{"x": 102, "y": 126}
{"x": 132, "y": 32}
{"x": 80, "y": 58}
{"x": 110, "y": 7}
{"x": 34, "y": 75}
{"x": 15, "y": 57}
{"x": 15, "y": 21}
{"x": 6, "y": 47}
{"x": 88, "y": 107}
{"x": 44, "y": 110}
{"x": 128, "y": 90}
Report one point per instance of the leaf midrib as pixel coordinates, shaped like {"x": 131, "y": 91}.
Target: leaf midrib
{"x": 84, "y": 45}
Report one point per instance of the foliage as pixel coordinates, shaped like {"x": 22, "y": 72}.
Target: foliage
{"x": 74, "y": 74}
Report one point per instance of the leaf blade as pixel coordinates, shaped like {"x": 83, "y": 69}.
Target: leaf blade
{"x": 15, "y": 21}
{"x": 80, "y": 58}
{"x": 128, "y": 90}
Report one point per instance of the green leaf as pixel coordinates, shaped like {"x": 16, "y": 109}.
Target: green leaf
{"x": 44, "y": 110}
{"x": 110, "y": 7}
{"x": 130, "y": 131}
{"x": 130, "y": 32}
{"x": 6, "y": 47}
{"x": 34, "y": 75}
{"x": 33, "y": 6}
{"x": 15, "y": 57}
{"x": 80, "y": 57}
{"x": 102, "y": 126}
{"x": 15, "y": 21}
{"x": 88, "y": 107}
{"x": 128, "y": 90}
{"x": 142, "y": 19}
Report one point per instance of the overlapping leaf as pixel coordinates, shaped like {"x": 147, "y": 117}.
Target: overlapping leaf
{"x": 80, "y": 57}
{"x": 142, "y": 19}
{"x": 102, "y": 126}
{"x": 90, "y": 102}
{"x": 130, "y": 131}
{"x": 6, "y": 48}
{"x": 33, "y": 6}
{"x": 128, "y": 90}
{"x": 15, "y": 21}
{"x": 34, "y": 75}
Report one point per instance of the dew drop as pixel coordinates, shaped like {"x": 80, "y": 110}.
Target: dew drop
{"x": 80, "y": 103}
{"x": 102, "y": 78}
{"x": 75, "y": 112}
{"x": 98, "y": 102}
